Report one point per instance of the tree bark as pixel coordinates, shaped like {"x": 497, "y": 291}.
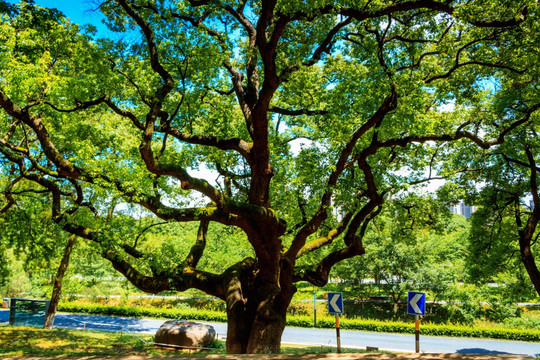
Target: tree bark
{"x": 254, "y": 326}
{"x": 526, "y": 235}
{"x": 257, "y": 300}
{"x": 266, "y": 331}
{"x": 530, "y": 265}
{"x": 57, "y": 288}
{"x": 525, "y": 240}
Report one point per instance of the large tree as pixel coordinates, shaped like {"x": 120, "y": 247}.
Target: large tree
{"x": 308, "y": 113}
{"x": 503, "y": 184}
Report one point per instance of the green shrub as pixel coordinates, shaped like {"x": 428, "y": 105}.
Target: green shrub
{"x": 523, "y": 323}
{"x": 96, "y": 309}
{"x": 499, "y": 312}
{"x": 216, "y": 344}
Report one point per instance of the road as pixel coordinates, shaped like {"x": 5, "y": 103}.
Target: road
{"x": 318, "y": 337}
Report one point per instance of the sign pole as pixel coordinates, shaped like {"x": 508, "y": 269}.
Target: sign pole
{"x": 335, "y": 306}
{"x": 337, "y": 334}
{"x": 314, "y": 309}
{"x": 417, "y": 332}
{"x": 416, "y": 305}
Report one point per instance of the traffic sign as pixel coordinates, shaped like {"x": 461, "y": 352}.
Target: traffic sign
{"x": 416, "y": 303}
{"x": 335, "y": 303}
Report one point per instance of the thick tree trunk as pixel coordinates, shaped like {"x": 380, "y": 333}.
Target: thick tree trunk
{"x": 57, "y": 287}
{"x": 266, "y": 333}
{"x": 239, "y": 319}
{"x": 254, "y": 328}
{"x": 256, "y": 311}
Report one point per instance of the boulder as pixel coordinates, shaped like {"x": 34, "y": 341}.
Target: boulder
{"x": 185, "y": 333}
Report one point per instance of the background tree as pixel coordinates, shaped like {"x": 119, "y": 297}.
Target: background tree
{"x": 232, "y": 85}
{"x": 34, "y": 239}
{"x": 415, "y": 244}
{"x": 503, "y": 180}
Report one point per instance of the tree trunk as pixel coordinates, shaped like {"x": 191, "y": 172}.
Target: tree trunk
{"x": 529, "y": 262}
{"x": 57, "y": 288}
{"x": 266, "y": 334}
{"x": 256, "y": 314}
{"x": 526, "y": 236}
{"x": 254, "y": 328}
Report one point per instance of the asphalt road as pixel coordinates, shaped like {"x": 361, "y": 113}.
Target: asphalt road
{"x": 318, "y": 337}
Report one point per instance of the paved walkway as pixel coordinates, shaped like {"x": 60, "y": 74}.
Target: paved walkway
{"x": 373, "y": 356}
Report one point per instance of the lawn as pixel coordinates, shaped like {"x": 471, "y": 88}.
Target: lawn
{"x": 19, "y": 341}
{"x": 15, "y": 341}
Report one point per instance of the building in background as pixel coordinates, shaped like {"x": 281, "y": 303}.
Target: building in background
{"x": 463, "y": 209}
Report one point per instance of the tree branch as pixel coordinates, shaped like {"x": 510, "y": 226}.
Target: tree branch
{"x": 236, "y": 144}
{"x": 327, "y": 239}
{"x": 197, "y": 249}
{"x": 65, "y": 167}
{"x": 152, "y": 47}
{"x": 290, "y": 112}
{"x": 389, "y": 104}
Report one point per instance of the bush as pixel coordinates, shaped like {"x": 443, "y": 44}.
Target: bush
{"x": 498, "y": 312}
{"x": 523, "y": 323}
{"x": 97, "y": 309}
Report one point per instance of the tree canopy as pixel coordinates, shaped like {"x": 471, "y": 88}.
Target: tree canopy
{"x": 308, "y": 114}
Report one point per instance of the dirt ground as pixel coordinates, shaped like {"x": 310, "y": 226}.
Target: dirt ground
{"x": 303, "y": 357}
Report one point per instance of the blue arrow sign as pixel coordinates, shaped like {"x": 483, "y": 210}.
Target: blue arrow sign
{"x": 416, "y": 303}
{"x": 335, "y": 303}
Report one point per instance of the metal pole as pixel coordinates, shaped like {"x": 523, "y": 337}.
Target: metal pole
{"x": 12, "y": 310}
{"x": 417, "y": 333}
{"x": 314, "y": 309}
{"x": 337, "y": 334}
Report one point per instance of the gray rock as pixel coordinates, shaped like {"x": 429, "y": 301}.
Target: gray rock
{"x": 185, "y": 333}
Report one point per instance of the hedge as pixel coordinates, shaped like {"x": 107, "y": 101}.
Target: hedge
{"x": 307, "y": 321}
{"x": 425, "y": 329}
{"x": 97, "y": 309}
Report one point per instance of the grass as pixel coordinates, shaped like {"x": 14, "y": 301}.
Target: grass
{"x": 64, "y": 343}
{"x": 17, "y": 341}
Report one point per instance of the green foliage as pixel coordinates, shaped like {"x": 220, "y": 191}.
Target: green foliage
{"x": 4, "y": 266}
{"x": 16, "y": 281}
{"x": 493, "y": 252}
{"x": 217, "y": 344}
{"x": 526, "y": 322}
{"x": 415, "y": 244}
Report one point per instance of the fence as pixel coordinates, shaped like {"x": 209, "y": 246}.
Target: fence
{"x": 27, "y": 312}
